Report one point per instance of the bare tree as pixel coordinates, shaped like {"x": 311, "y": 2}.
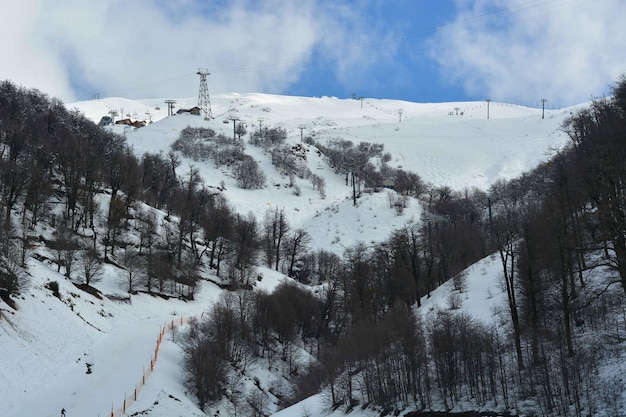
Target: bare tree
{"x": 118, "y": 212}
{"x": 91, "y": 266}
{"x": 275, "y": 227}
{"x": 295, "y": 247}
{"x": 407, "y": 246}
{"x": 133, "y": 265}
{"x": 12, "y": 274}
{"x": 65, "y": 246}
{"x": 246, "y": 246}
{"x": 319, "y": 184}
{"x": 249, "y": 175}
{"x": 258, "y": 402}
{"x": 205, "y": 369}
{"x": 506, "y": 233}
{"x": 147, "y": 227}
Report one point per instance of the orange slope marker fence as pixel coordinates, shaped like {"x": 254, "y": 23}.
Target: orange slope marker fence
{"x": 129, "y": 399}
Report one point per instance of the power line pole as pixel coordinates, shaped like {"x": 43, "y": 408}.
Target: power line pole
{"x": 353, "y": 189}
{"x": 234, "y": 119}
{"x": 204, "y": 102}
{"x": 543, "y": 107}
{"x": 170, "y": 106}
{"x": 488, "y": 101}
{"x": 301, "y": 127}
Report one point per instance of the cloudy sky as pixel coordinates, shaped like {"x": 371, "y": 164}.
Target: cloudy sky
{"x": 519, "y": 51}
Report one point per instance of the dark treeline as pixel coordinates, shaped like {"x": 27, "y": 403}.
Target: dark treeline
{"x": 559, "y": 233}
{"x": 58, "y": 167}
{"x": 52, "y": 157}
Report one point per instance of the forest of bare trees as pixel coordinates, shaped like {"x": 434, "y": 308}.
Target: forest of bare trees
{"x": 559, "y": 233}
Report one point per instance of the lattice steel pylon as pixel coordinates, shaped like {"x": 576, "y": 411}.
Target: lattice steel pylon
{"x": 204, "y": 102}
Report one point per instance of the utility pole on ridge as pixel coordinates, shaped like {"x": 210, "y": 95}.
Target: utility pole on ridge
{"x": 170, "y": 106}
{"x": 301, "y": 127}
{"x": 234, "y": 119}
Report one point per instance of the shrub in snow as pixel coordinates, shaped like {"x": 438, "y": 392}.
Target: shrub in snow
{"x": 54, "y": 287}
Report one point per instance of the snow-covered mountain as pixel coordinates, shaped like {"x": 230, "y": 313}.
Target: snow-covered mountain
{"x": 446, "y": 144}
{"x": 46, "y": 344}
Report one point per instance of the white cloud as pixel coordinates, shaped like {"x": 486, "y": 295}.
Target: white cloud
{"x": 24, "y": 55}
{"x": 523, "y": 50}
{"x": 142, "y": 48}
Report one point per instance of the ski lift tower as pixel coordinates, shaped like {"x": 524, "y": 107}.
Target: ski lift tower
{"x": 203, "y": 95}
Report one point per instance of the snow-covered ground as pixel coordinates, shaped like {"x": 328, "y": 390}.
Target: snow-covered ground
{"x": 444, "y": 148}
{"x": 46, "y": 343}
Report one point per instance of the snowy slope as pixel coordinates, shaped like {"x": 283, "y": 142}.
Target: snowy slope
{"x": 459, "y": 151}
{"x": 455, "y": 150}
{"x": 46, "y": 343}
